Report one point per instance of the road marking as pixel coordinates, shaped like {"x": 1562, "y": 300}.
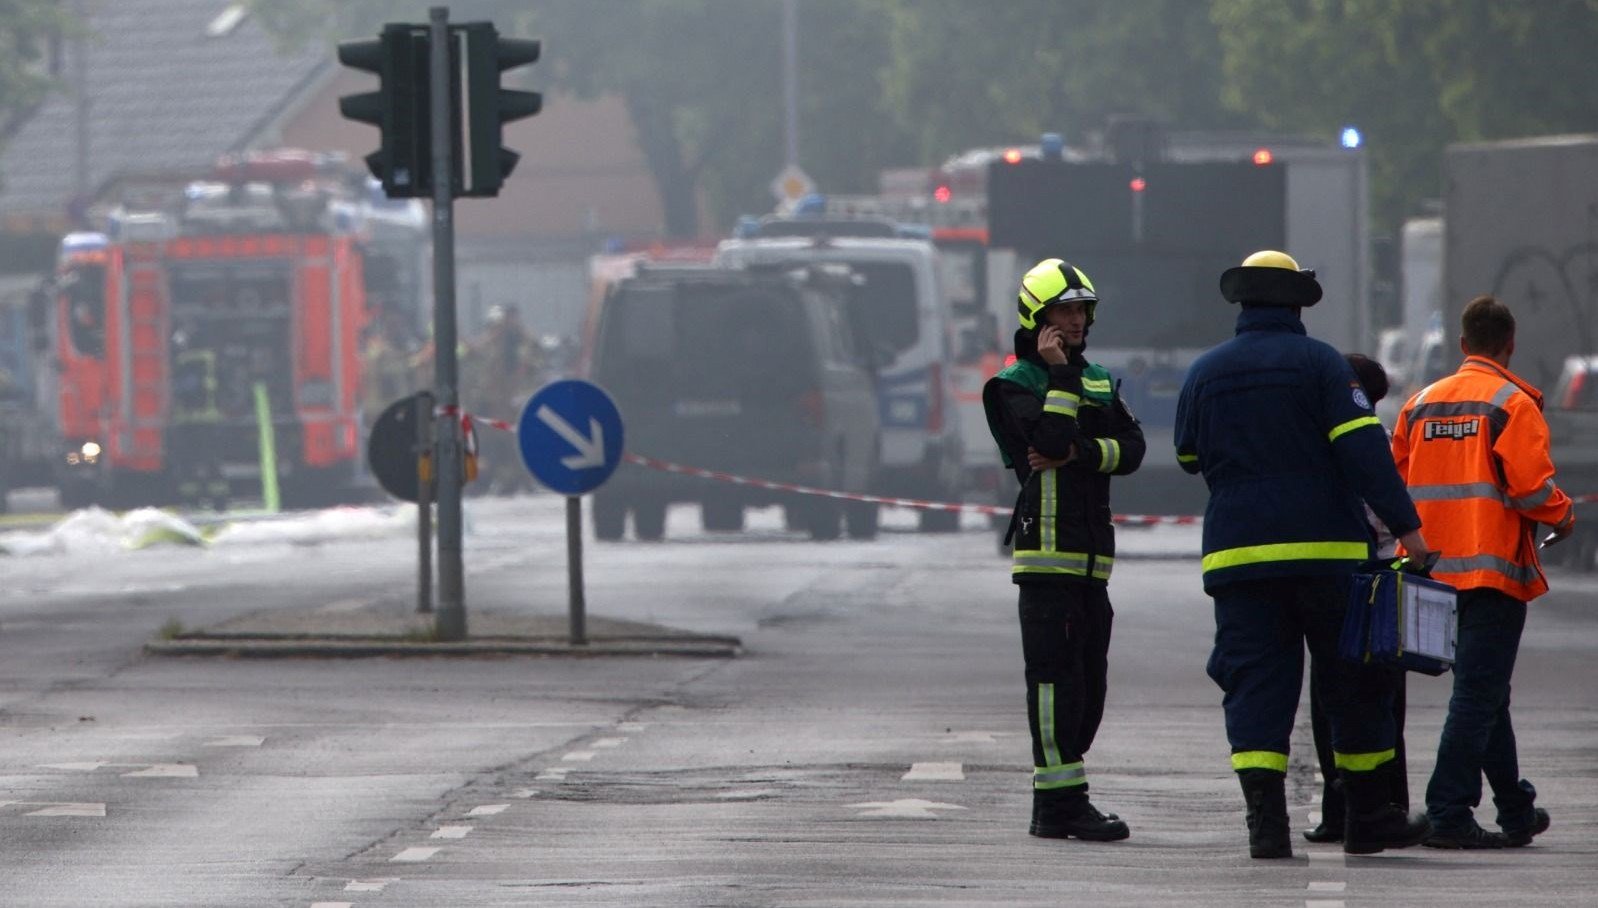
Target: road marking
{"x": 1327, "y": 887}
{"x": 610, "y": 742}
{"x": 524, "y": 792}
{"x": 934, "y": 772}
{"x": 165, "y": 771}
{"x": 237, "y": 741}
{"x": 488, "y": 810}
{"x": 138, "y": 770}
{"x": 344, "y": 606}
{"x": 1323, "y": 903}
{"x": 450, "y": 832}
{"x": 908, "y": 808}
{"x": 1328, "y": 857}
{"x": 69, "y": 810}
{"x": 972, "y": 737}
{"x": 1315, "y": 798}
{"x": 413, "y": 855}
{"x": 1315, "y": 817}
{"x": 332, "y": 905}
{"x": 745, "y": 794}
{"x": 1320, "y": 778}
{"x": 369, "y": 885}
{"x": 579, "y": 756}
{"x": 552, "y": 774}
{"x": 632, "y": 726}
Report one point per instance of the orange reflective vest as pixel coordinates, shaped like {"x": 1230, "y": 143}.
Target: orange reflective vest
{"x": 1473, "y": 449}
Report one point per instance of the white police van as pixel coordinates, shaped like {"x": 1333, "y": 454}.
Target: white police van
{"x": 902, "y": 314}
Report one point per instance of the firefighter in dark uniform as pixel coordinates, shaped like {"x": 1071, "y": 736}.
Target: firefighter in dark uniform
{"x": 1064, "y": 431}
{"x": 1287, "y": 442}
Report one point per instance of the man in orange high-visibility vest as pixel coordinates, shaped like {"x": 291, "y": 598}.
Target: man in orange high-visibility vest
{"x": 1473, "y": 449}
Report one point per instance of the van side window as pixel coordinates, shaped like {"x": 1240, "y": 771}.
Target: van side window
{"x": 888, "y": 299}
{"x": 839, "y": 336}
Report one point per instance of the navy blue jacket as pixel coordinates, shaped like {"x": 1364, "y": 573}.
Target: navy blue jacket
{"x": 1288, "y": 444}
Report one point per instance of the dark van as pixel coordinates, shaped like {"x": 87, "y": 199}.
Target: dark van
{"x": 758, "y": 373}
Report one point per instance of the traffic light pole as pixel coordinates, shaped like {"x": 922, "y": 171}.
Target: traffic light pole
{"x": 450, "y": 622}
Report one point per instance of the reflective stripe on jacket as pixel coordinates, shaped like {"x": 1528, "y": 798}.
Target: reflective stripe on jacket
{"x": 1287, "y": 443}
{"x": 1063, "y": 529}
{"x": 1473, "y": 448}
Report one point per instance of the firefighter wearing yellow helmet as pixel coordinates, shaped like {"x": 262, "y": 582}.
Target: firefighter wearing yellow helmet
{"x": 1284, "y": 435}
{"x": 1064, "y": 431}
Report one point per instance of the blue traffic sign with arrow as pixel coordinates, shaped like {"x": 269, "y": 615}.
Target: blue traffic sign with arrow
{"x": 571, "y": 436}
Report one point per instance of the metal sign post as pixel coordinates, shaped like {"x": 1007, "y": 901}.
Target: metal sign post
{"x": 450, "y": 623}
{"x": 570, "y": 437}
{"x": 574, "y": 571}
{"x": 424, "y": 503}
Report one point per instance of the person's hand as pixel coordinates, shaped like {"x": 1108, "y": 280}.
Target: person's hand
{"x": 1051, "y": 345}
{"x": 1414, "y": 545}
{"x": 1038, "y": 462}
{"x": 1562, "y": 531}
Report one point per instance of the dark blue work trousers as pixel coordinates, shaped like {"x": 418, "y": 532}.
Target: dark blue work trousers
{"x": 1478, "y": 738}
{"x": 1261, "y": 630}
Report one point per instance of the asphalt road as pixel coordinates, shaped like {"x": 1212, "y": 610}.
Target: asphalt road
{"x": 868, "y": 748}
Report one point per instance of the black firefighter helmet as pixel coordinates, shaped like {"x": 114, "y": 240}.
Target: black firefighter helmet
{"x": 1270, "y": 278}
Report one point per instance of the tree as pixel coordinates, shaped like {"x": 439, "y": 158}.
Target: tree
{"x": 28, "y": 29}
{"x": 700, "y": 79}
{"x": 968, "y": 74}
{"x": 1414, "y": 75}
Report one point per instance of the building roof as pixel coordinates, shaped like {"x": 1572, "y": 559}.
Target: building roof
{"x": 171, "y": 84}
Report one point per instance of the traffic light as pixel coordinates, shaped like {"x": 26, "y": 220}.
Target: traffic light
{"x": 488, "y": 107}
{"x": 399, "y": 108}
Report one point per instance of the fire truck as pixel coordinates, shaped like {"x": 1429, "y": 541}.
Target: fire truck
{"x": 210, "y": 346}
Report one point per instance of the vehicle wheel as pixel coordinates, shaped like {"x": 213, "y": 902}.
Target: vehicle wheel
{"x": 722, "y": 515}
{"x": 610, "y": 518}
{"x": 793, "y": 516}
{"x": 825, "y": 520}
{"x": 649, "y": 520}
{"x": 932, "y": 521}
{"x": 863, "y": 519}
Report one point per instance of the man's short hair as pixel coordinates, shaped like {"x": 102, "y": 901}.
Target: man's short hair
{"x": 1487, "y": 326}
{"x": 1372, "y": 377}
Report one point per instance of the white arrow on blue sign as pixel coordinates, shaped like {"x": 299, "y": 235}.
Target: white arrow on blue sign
{"x": 571, "y": 437}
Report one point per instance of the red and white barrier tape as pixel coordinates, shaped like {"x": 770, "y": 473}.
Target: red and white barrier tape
{"x": 1141, "y": 520}
{"x": 1002, "y": 511}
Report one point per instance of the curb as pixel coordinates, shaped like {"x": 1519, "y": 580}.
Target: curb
{"x": 349, "y": 648}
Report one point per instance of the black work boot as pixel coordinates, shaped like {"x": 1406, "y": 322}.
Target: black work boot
{"x": 1470, "y": 837}
{"x": 1070, "y": 815}
{"x": 1332, "y": 815}
{"x": 1518, "y": 837}
{"x": 1374, "y": 823}
{"x": 1265, "y": 793}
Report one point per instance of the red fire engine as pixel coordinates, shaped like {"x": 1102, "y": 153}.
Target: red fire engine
{"x": 207, "y": 341}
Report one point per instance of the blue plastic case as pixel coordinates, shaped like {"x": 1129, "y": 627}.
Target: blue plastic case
{"x": 1403, "y": 619}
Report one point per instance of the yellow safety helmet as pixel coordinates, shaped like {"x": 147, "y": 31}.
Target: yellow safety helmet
{"x": 1050, "y": 282}
{"x": 1270, "y": 278}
